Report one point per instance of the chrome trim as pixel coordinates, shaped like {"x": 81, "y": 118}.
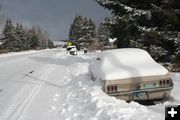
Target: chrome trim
{"x": 145, "y": 90}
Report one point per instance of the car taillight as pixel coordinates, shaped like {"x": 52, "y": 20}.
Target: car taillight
{"x": 108, "y": 88}
{"x": 164, "y": 82}
{"x": 112, "y": 88}
{"x": 115, "y": 88}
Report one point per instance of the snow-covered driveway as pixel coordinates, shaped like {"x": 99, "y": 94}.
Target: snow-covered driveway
{"x": 50, "y": 85}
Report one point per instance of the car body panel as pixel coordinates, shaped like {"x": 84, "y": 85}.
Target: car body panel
{"x": 125, "y": 63}
{"x": 128, "y": 87}
{"x": 156, "y": 84}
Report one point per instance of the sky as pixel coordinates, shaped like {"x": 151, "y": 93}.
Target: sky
{"x": 54, "y": 16}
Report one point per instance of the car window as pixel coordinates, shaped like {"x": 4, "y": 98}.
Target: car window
{"x": 68, "y": 49}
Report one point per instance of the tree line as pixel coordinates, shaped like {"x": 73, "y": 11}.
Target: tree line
{"x": 152, "y": 25}
{"x": 83, "y": 32}
{"x": 16, "y": 38}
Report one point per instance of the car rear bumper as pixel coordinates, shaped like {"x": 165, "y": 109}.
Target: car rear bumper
{"x": 147, "y": 94}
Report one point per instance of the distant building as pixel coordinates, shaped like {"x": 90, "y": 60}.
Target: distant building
{"x": 59, "y": 43}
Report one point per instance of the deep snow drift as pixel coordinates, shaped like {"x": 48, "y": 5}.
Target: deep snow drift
{"x": 60, "y": 89}
{"x": 125, "y": 63}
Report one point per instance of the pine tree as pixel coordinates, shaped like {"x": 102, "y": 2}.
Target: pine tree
{"x": 149, "y": 24}
{"x": 20, "y": 39}
{"x": 21, "y": 43}
{"x": 42, "y": 37}
{"x": 82, "y": 31}
{"x": 75, "y": 30}
{"x": 88, "y": 31}
{"x": 36, "y": 38}
{"x": 32, "y": 39}
{"x": 177, "y": 45}
{"x": 104, "y": 31}
{"x": 8, "y": 36}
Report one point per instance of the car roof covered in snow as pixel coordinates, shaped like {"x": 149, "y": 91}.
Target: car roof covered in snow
{"x": 126, "y": 63}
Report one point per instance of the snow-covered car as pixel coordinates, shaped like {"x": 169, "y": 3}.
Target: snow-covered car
{"x": 131, "y": 74}
{"x": 72, "y": 50}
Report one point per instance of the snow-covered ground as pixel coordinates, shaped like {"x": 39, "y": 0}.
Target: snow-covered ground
{"x": 50, "y": 85}
{"x": 21, "y": 53}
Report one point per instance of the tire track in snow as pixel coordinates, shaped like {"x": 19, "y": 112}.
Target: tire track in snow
{"x": 27, "y": 97}
{"x": 15, "y": 115}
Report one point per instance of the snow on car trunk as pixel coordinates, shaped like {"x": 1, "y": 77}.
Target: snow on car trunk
{"x": 126, "y": 63}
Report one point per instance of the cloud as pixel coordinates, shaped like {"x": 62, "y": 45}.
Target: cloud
{"x": 55, "y": 16}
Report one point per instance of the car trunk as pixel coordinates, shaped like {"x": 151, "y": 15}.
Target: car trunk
{"x": 139, "y": 84}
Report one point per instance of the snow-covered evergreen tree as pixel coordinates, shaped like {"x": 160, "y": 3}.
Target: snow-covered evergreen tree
{"x": 21, "y": 42}
{"x": 147, "y": 24}
{"x": 177, "y": 44}
{"x": 8, "y": 36}
{"x": 88, "y": 31}
{"x": 32, "y": 38}
{"x": 75, "y": 29}
{"x": 82, "y": 31}
{"x": 19, "y": 39}
{"x": 42, "y": 37}
{"x": 104, "y": 32}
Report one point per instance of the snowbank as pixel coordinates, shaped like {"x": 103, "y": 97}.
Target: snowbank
{"x": 64, "y": 91}
{"x": 21, "y": 53}
{"x": 76, "y": 97}
{"x": 125, "y": 63}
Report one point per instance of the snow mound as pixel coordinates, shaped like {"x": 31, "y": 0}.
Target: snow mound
{"x": 21, "y": 53}
{"x": 126, "y": 63}
{"x": 84, "y": 99}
